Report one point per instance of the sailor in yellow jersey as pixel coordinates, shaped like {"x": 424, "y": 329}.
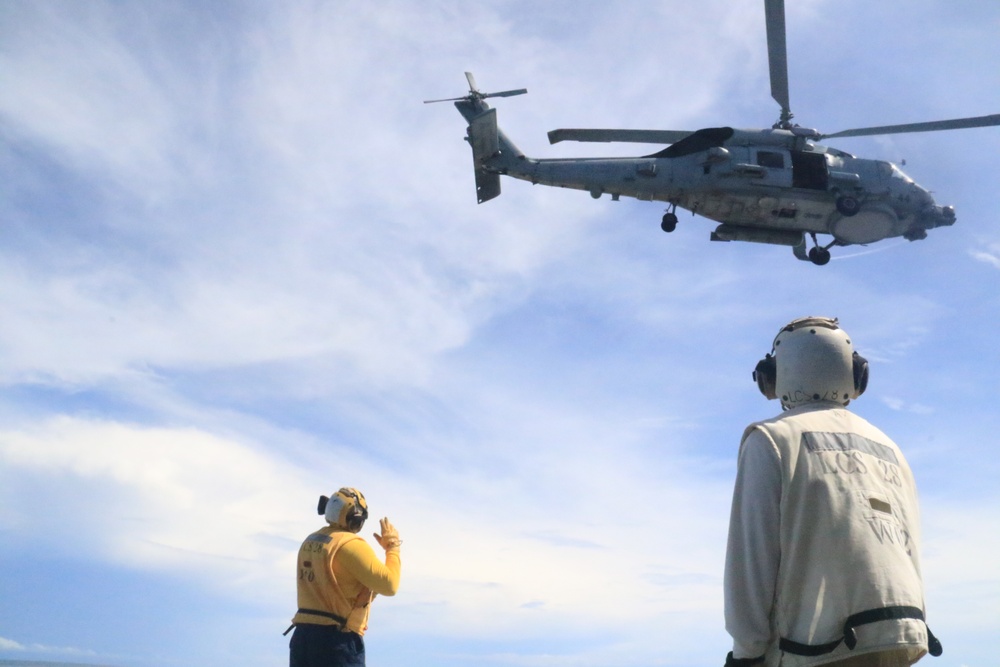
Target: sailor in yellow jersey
{"x": 338, "y": 577}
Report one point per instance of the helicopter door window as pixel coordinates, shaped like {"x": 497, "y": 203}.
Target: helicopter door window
{"x": 809, "y": 170}
{"x": 770, "y": 160}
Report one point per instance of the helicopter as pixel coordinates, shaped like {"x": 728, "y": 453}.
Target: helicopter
{"x": 774, "y": 185}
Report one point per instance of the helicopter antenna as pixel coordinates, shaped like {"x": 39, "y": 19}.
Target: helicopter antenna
{"x": 777, "y": 57}
{"x": 475, "y": 94}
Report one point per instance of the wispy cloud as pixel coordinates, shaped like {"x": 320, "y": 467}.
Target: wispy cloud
{"x": 901, "y": 405}
{"x": 18, "y": 647}
{"x": 987, "y": 257}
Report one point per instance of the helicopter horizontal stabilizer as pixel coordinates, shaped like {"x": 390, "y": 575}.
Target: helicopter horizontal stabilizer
{"x": 485, "y": 142}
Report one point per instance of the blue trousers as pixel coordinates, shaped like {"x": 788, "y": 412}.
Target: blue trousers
{"x": 325, "y": 646}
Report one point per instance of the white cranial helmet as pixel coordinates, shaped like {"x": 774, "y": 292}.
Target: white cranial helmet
{"x": 812, "y": 359}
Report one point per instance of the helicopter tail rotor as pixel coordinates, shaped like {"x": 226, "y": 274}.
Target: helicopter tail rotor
{"x": 476, "y": 94}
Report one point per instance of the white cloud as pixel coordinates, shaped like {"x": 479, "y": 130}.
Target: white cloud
{"x": 18, "y": 647}
{"x": 147, "y": 497}
{"x": 230, "y": 514}
{"x": 10, "y": 645}
{"x": 263, "y": 254}
{"x": 990, "y": 258}
{"x": 898, "y": 404}
{"x": 963, "y": 591}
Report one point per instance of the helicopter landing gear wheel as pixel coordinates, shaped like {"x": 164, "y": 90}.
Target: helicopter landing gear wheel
{"x": 669, "y": 222}
{"x": 848, "y": 206}
{"x": 819, "y": 256}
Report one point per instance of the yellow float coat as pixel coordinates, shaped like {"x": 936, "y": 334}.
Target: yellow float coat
{"x": 339, "y": 574}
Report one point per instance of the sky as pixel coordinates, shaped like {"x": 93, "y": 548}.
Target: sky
{"x": 242, "y": 265}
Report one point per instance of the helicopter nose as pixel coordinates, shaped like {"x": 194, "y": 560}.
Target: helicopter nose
{"x": 941, "y": 215}
{"x": 930, "y": 217}
{"x": 945, "y": 216}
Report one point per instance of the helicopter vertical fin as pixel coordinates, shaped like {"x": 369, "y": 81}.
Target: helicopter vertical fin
{"x": 485, "y": 142}
{"x": 487, "y": 186}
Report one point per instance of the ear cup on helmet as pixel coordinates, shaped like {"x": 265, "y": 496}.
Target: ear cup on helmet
{"x": 860, "y": 374}
{"x": 346, "y": 509}
{"x": 358, "y": 513}
{"x": 766, "y": 375}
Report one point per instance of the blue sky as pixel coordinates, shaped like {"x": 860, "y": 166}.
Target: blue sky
{"x": 241, "y": 265}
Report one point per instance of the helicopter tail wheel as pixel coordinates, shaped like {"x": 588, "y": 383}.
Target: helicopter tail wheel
{"x": 848, "y": 206}
{"x": 669, "y": 223}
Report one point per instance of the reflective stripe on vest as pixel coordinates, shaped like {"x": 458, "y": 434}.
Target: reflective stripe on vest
{"x": 862, "y": 618}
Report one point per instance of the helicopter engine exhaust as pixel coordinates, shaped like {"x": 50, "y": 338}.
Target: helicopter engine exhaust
{"x": 726, "y": 232}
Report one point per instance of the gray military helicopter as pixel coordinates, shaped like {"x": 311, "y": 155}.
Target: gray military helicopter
{"x": 765, "y": 186}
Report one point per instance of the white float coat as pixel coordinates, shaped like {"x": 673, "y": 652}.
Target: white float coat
{"x": 824, "y": 524}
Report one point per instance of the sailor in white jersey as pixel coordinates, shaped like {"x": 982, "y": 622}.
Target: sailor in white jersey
{"x": 823, "y": 558}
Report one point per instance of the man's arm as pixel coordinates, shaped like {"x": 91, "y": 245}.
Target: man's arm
{"x": 753, "y": 552}
{"x": 358, "y": 558}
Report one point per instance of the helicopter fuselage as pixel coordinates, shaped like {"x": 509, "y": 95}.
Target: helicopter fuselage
{"x": 765, "y": 186}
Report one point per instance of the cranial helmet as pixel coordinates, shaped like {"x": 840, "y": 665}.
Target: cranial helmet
{"x": 812, "y": 359}
{"x": 346, "y": 509}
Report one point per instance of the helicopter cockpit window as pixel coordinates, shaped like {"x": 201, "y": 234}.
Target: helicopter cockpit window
{"x": 696, "y": 142}
{"x": 898, "y": 173}
{"x": 770, "y": 159}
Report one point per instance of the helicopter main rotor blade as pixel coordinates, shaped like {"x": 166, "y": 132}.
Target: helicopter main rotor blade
{"x": 447, "y": 99}
{"x": 931, "y": 126}
{"x": 507, "y": 93}
{"x": 777, "y": 55}
{"x": 630, "y": 136}
{"x": 472, "y": 82}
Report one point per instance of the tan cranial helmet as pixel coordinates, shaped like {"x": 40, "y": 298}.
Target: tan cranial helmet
{"x": 812, "y": 359}
{"x": 346, "y": 509}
